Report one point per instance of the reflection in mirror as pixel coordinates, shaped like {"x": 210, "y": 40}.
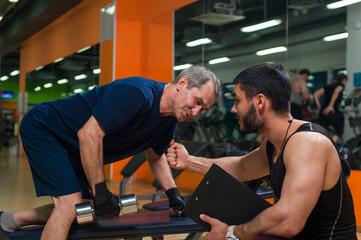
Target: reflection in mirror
{"x": 77, "y": 73}
{"x": 232, "y": 34}
{"x": 228, "y": 36}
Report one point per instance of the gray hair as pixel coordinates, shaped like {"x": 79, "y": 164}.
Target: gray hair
{"x": 199, "y": 76}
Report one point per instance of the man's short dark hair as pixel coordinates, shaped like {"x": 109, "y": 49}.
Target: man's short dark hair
{"x": 304, "y": 71}
{"x": 270, "y": 79}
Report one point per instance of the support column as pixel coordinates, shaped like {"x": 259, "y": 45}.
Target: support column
{"x": 353, "y": 53}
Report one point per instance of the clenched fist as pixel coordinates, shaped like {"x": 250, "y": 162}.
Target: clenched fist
{"x": 177, "y": 156}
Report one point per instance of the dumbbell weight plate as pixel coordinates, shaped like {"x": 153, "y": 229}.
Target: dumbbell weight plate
{"x": 128, "y": 204}
{"x": 84, "y": 213}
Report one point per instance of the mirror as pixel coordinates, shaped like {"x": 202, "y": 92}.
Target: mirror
{"x": 77, "y": 73}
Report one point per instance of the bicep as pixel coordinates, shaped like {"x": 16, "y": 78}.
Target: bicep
{"x": 254, "y": 165}
{"x": 304, "y": 179}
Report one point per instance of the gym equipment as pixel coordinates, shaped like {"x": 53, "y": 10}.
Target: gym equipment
{"x": 354, "y": 118}
{"x": 352, "y": 109}
{"x": 134, "y": 226}
{"x": 194, "y": 148}
{"x": 240, "y": 147}
{"x": 134, "y": 163}
{"x": 85, "y": 212}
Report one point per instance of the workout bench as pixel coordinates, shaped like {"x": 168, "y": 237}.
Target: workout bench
{"x": 134, "y": 226}
{"x": 195, "y": 148}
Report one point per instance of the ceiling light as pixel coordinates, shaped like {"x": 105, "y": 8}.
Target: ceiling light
{"x": 4, "y": 78}
{"x": 96, "y": 71}
{"x": 197, "y": 42}
{"x": 110, "y": 10}
{"x": 1, "y": 18}
{"x": 48, "y": 85}
{"x": 335, "y": 37}
{"x": 13, "y": 1}
{"x": 342, "y": 3}
{"x": 260, "y": 26}
{"x": 14, "y": 73}
{"x": 78, "y": 90}
{"x": 91, "y": 87}
{"x": 62, "y": 81}
{"x": 219, "y": 60}
{"x": 39, "y": 68}
{"x": 37, "y": 89}
{"x": 83, "y": 49}
{"x": 181, "y": 67}
{"x": 271, "y": 51}
{"x": 58, "y": 60}
{"x": 81, "y": 76}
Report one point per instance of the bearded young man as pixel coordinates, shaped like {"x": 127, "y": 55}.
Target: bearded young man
{"x": 313, "y": 200}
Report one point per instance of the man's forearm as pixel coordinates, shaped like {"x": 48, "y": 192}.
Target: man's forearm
{"x": 267, "y": 222}
{"x": 198, "y": 164}
{"x": 202, "y": 165}
{"x": 161, "y": 170}
{"x": 92, "y": 161}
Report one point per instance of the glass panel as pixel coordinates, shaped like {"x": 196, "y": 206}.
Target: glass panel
{"x": 74, "y": 74}
{"x": 299, "y": 29}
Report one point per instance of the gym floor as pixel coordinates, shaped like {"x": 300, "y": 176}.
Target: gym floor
{"x": 17, "y": 189}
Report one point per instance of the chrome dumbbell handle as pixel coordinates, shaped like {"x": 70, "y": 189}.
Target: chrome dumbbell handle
{"x": 128, "y": 204}
{"x": 85, "y": 212}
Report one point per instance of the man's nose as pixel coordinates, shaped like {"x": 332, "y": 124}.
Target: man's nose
{"x": 233, "y": 110}
{"x": 196, "y": 111}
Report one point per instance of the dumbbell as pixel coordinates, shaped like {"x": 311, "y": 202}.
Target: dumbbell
{"x": 85, "y": 212}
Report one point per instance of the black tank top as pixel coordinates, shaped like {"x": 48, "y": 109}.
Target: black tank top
{"x": 333, "y": 217}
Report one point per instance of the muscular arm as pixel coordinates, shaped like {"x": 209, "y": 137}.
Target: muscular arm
{"x": 304, "y": 91}
{"x": 160, "y": 168}
{"x": 244, "y": 168}
{"x": 305, "y": 179}
{"x": 316, "y": 97}
{"x": 91, "y": 151}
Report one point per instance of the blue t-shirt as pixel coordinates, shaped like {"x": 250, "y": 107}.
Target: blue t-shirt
{"x": 127, "y": 110}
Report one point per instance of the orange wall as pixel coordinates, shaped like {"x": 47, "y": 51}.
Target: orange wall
{"x": 354, "y": 182}
{"x": 76, "y": 29}
{"x": 144, "y": 47}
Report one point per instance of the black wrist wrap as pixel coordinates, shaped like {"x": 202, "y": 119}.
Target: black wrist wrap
{"x": 105, "y": 203}
{"x": 176, "y": 201}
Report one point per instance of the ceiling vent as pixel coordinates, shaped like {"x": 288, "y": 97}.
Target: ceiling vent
{"x": 217, "y": 19}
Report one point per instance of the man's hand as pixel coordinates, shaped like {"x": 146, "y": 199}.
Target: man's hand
{"x": 328, "y": 109}
{"x": 106, "y": 204}
{"x": 176, "y": 202}
{"x": 177, "y": 156}
{"x": 218, "y": 228}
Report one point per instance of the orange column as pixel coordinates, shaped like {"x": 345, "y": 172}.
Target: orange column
{"x": 144, "y": 47}
{"x": 354, "y": 184}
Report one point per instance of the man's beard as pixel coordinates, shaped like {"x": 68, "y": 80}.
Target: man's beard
{"x": 251, "y": 123}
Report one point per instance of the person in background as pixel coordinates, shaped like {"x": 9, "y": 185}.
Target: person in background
{"x": 312, "y": 197}
{"x": 329, "y": 114}
{"x": 68, "y": 141}
{"x": 300, "y": 94}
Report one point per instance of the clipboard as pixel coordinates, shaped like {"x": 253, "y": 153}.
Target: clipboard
{"x": 220, "y": 195}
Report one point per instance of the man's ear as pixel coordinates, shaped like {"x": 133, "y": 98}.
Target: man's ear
{"x": 182, "y": 83}
{"x": 260, "y": 101}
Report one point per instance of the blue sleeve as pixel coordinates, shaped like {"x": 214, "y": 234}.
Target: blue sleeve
{"x": 118, "y": 106}
{"x": 162, "y": 146}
